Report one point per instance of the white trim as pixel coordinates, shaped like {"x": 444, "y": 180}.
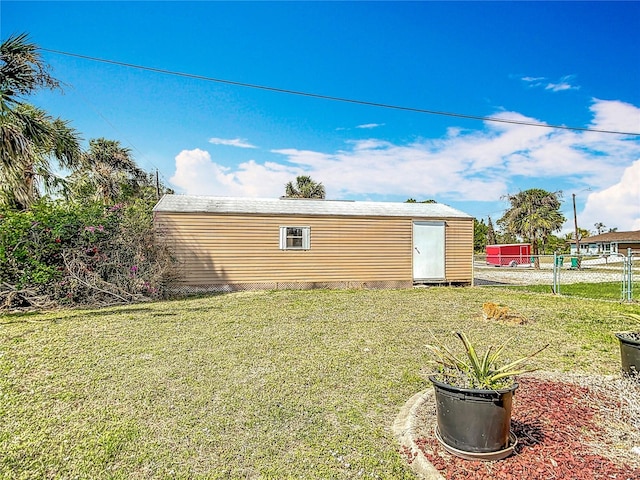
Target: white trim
{"x": 306, "y": 237}
{"x": 429, "y": 250}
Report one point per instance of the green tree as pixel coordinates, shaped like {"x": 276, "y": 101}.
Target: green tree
{"x": 491, "y": 233}
{"x": 503, "y": 237}
{"x": 555, "y": 244}
{"x": 584, "y": 233}
{"x": 305, "y": 187}
{"x": 29, "y": 137}
{"x": 22, "y": 70}
{"x": 108, "y": 173}
{"x": 413, "y": 200}
{"x": 152, "y": 188}
{"x": 82, "y": 253}
{"x": 534, "y": 214}
{"x": 480, "y": 231}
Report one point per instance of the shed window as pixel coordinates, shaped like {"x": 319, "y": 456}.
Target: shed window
{"x": 295, "y": 238}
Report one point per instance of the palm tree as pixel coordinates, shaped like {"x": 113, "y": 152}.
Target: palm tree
{"x": 108, "y": 172}
{"x": 29, "y": 137}
{"x": 305, "y": 187}
{"x": 22, "y": 70}
{"x": 533, "y": 216}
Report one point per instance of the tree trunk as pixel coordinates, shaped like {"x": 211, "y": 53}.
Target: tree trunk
{"x": 535, "y": 252}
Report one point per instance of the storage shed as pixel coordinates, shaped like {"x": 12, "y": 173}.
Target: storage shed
{"x": 224, "y": 243}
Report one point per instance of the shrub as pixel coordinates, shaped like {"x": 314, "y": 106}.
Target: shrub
{"x": 79, "y": 254}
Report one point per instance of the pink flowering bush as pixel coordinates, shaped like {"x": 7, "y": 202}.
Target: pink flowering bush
{"x": 80, "y": 254}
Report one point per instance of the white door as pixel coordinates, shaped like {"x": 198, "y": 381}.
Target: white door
{"x": 428, "y": 251}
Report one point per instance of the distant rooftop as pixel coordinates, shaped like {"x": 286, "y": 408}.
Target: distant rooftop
{"x": 632, "y": 236}
{"x": 290, "y": 206}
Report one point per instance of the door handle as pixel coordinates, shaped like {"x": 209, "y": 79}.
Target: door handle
{"x": 417, "y": 249}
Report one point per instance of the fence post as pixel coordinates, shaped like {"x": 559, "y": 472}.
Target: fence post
{"x": 627, "y": 281}
{"x": 629, "y": 275}
{"x": 556, "y": 283}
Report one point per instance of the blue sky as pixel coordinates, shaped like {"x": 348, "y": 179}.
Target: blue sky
{"x": 555, "y": 63}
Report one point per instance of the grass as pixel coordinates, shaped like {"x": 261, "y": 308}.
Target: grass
{"x": 287, "y": 384}
{"x": 598, "y": 291}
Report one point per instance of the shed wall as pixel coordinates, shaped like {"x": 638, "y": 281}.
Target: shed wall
{"x": 243, "y": 250}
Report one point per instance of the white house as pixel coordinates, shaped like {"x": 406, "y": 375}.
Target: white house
{"x": 608, "y": 243}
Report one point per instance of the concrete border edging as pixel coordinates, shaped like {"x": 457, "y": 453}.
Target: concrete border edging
{"x": 404, "y": 429}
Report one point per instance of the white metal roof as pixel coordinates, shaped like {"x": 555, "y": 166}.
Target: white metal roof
{"x": 289, "y": 206}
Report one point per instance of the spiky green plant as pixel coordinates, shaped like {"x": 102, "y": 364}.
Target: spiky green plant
{"x": 475, "y": 371}
{"x": 633, "y": 335}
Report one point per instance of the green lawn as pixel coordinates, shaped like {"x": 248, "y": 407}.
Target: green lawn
{"x": 600, "y": 291}
{"x": 254, "y": 385}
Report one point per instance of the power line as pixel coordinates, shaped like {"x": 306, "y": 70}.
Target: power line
{"x": 338, "y": 99}
{"x": 119, "y": 132}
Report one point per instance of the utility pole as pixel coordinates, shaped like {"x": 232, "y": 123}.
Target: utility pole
{"x": 575, "y": 222}
{"x": 158, "y": 190}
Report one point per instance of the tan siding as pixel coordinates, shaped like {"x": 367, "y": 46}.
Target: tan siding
{"x": 239, "y": 249}
{"x": 459, "y": 250}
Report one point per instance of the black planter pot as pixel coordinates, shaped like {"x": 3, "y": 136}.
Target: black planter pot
{"x": 629, "y": 353}
{"x": 476, "y": 421}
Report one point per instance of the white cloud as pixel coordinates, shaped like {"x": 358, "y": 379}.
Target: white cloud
{"x": 380, "y": 167}
{"x": 618, "y": 205}
{"x": 616, "y": 116}
{"x": 364, "y": 126}
{"x": 559, "y": 87}
{"x": 533, "y": 82}
{"x": 463, "y": 165}
{"x": 565, "y": 83}
{"x": 197, "y": 174}
{"x": 532, "y": 79}
{"x": 233, "y": 142}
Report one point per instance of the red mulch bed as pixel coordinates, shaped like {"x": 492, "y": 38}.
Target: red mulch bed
{"x": 553, "y": 424}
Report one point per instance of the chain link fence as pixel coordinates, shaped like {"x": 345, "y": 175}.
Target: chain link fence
{"x": 607, "y": 277}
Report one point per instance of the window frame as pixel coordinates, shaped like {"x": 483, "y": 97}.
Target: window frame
{"x": 306, "y": 237}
